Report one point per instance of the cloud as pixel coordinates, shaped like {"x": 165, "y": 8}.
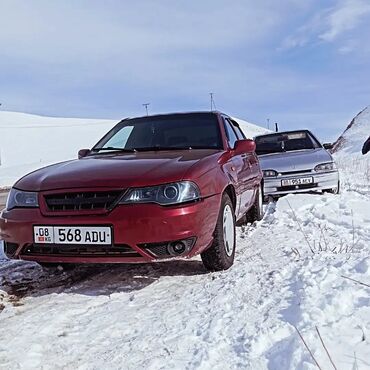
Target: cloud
{"x": 345, "y": 17}
{"x": 330, "y": 24}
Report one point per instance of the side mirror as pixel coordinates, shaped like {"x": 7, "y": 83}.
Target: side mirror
{"x": 328, "y": 146}
{"x": 83, "y": 153}
{"x": 244, "y": 146}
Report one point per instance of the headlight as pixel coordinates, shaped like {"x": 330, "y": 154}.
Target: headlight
{"x": 269, "y": 173}
{"x": 325, "y": 167}
{"x": 175, "y": 193}
{"x": 21, "y": 199}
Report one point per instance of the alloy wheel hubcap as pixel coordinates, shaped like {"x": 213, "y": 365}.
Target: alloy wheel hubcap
{"x": 228, "y": 230}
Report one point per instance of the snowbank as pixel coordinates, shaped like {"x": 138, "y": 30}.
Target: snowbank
{"x": 353, "y": 138}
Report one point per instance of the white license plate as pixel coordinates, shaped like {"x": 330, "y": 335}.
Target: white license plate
{"x": 300, "y": 181}
{"x": 101, "y": 235}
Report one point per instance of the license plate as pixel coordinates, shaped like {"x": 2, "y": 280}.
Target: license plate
{"x": 300, "y": 181}
{"x": 72, "y": 235}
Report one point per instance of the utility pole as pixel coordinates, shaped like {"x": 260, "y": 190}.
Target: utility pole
{"x": 146, "y": 107}
{"x": 276, "y": 127}
{"x": 213, "y": 105}
{"x": 268, "y": 123}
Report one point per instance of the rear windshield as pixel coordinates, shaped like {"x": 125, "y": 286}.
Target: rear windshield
{"x": 285, "y": 142}
{"x": 179, "y": 131}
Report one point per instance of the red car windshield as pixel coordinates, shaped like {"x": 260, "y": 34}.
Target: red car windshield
{"x": 167, "y": 132}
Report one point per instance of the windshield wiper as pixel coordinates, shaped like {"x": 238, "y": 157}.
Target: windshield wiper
{"x": 125, "y": 150}
{"x": 159, "y": 147}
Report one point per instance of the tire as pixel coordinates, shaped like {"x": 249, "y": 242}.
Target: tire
{"x": 335, "y": 190}
{"x": 256, "y": 212}
{"x": 220, "y": 255}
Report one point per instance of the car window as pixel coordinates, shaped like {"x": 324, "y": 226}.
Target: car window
{"x": 120, "y": 139}
{"x": 182, "y": 131}
{"x": 285, "y": 142}
{"x": 230, "y": 133}
{"x": 238, "y": 131}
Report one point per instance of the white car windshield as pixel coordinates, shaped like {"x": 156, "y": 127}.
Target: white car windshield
{"x": 285, "y": 142}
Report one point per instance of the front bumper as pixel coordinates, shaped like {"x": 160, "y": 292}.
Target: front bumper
{"x": 135, "y": 228}
{"x": 322, "y": 181}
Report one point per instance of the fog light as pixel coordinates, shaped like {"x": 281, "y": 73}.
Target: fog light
{"x": 177, "y": 248}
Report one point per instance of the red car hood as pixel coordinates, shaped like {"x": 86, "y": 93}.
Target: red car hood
{"x": 117, "y": 170}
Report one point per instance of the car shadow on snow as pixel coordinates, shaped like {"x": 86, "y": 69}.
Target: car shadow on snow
{"x": 19, "y": 279}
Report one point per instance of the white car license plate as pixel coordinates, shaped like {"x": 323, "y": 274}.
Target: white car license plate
{"x": 101, "y": 235}
{"x": 300, "y": 181}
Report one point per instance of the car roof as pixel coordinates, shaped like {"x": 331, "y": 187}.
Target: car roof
{"x": 214, "y": 112}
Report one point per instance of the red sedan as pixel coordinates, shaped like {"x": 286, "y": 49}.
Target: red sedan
{"x": 153, "y": 188}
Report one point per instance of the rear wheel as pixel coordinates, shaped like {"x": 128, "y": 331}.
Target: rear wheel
{"x": 256, "y": 212}
{"x": 220, "y": 255}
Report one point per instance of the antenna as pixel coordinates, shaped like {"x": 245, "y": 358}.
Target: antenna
{"x": 213, "y": 104}
{"x": 146, "y": 107}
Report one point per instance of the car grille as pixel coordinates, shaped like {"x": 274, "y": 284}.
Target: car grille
{"x": 81, "y": 200}
{"x": 118, "y": 250}
{"x": 296, "y": 172}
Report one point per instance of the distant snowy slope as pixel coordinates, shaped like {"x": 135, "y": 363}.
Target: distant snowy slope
{"x": 28, "y": 142}
{"x": 354, "y": 136}
{"x": 353, "y": 166}
{"x": 251, "y": 130}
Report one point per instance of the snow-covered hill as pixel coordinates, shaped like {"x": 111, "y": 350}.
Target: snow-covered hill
{"x": 28, "y": 142}
{"x": 354, "y": 136}
{"x": 251, "y": 130}
{"x": 347, "y": 153}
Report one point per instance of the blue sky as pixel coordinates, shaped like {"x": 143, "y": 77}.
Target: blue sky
{"x": 301, "y": 63}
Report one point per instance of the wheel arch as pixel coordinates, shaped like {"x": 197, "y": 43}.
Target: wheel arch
{"x": 230, "y": 191}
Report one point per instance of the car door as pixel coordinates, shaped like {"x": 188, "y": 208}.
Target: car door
{"x": 242, "y": 166}
{"x": 255, "y": 173}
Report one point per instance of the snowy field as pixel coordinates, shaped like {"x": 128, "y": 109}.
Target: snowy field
{"x": 301, "y": 274}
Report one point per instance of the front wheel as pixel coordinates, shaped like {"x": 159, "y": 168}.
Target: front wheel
{"x": 334, "y": 190}
{"x": 220, "y": 255}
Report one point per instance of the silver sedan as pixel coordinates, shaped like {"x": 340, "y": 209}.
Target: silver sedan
{"x": 295, "y": 162}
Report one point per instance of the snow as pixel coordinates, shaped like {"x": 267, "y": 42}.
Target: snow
{"x": 28, "y": 142}
{"x": 292, "y": 273}
{"x": 250, "y": 129}
{"x": 353, "y": 138}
